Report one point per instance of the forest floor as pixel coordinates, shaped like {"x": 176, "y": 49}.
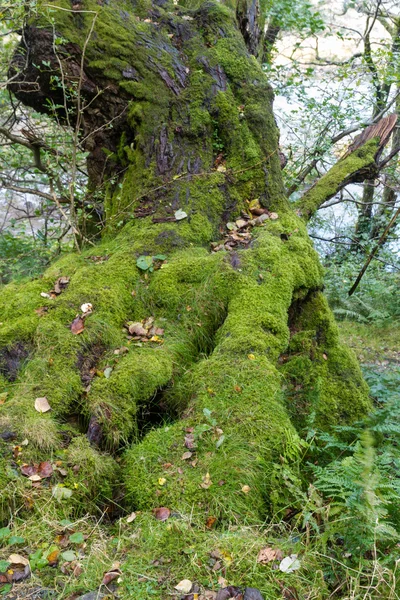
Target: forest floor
{"x": 98, "y": 557}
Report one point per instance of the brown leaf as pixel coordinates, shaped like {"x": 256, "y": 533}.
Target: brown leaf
{"x": 60, "y": 285}
{"x": 29, "y": 470}
{"x": 137, "y": 329}
{"x": 210, "y": 522}
{"x": 42, "y": 405}
{"x": 110, "y": 576}
{"x": 228, "y": 592}
{"x": 186, "y": 456}
{"x": 21, "y": 573}
{"x": 52, "y": 558}
{"x": 42, "y": 310}
{"x": 45, "y": 469}
{"x": 267, "y": 555}
{"x": 162, "y": 513}
{"x": 77, "y": 325}
{"x": 189, "y": 441}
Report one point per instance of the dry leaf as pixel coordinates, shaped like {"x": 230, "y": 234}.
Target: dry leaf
{"x": 42, "y": 405}
{"x": 137, "y": 329}
{"x": 267, "y": 555}
{"x": 87, "y": 307}
{"x": 246, "y": 489}
{"x": 17, "y": 559}
{"x": 52, "y": 558}
{"x": 186, "y": 456}
{"x": 29, "y": 470}
{"x": 35, "y": 478}
{"x": 273, "y": 216}
{"x": 206, "y": 481}
{"x": 289, "y": 564}
{"x": 189, "y": 441}
{"x": 77, "y": 325}
{"x": 184, "y": 586}
{"x": 131, "y": 517}
{"x": 210, "y": 522}
{"x": 45, "y": 469}
{"x": 162, "y": 513}
{"x": 110, "y": 576}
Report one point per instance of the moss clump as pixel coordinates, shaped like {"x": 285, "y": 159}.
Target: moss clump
{"x": 324, "y": 380}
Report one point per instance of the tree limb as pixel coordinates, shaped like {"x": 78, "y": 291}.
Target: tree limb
{"x": 359, "y": 163}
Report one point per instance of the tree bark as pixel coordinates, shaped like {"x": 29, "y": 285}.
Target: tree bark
{"x": 208, "y": 403}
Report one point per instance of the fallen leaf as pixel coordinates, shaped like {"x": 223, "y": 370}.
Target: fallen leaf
{"x": 189, "y": 441}
{"x": 78, "y": 570}
{"x": 162, "y": 513}
{"x": 184, "y": 586}
{"x": 221, "y": 169}
{"x": 59, "y": 492}
{"x": 180, "y": 214}
{"x": 206, "y": 481}
{"x": 290, "y": 564}
{"x": 241, "y": 223}
{"x": 77, "y": 325}
{"x": 52, "y": 558}
{"x": 77, "y": 538}
{"x": 42, "y": 405}
{"x": 107, "y": 372}
{"x": 35, "y": 478}
{"x": 45, "y": 295}
{"x": 273, "y": 216}
{"x": 246, "y": 489}
{"x": 87, "y": 308}
{"x": 131, "y": 517}
{"x": 68, "y": 556}
{"x": 29, "y": 470}
{"x": 42, "y": 310}
{"x": 137, "y": 329}
{"x": 267, "y": 555}
{"x": 110, "y": 576}
{"x": 186, "y": 456}
{"x": 45, "y": 469}
{"x": 17, "y": 559}
{"x": 210, "y": 522}
{"x": 60, "y": 285}
{"x": 324, "y": 356}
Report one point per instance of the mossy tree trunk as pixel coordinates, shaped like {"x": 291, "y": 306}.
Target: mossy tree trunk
{"x": 177, "y": 115}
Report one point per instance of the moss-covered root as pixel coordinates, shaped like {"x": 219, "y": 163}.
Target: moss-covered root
{"x": 323, "y": 379}
{"x": 236, "y": 425}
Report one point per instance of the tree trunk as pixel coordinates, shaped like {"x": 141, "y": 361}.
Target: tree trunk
{"x": 209, "y": 407}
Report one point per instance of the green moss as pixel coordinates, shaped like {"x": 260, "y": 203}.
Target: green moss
{"x": 328, "y": 185}
{"x": 324, "y": 379}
